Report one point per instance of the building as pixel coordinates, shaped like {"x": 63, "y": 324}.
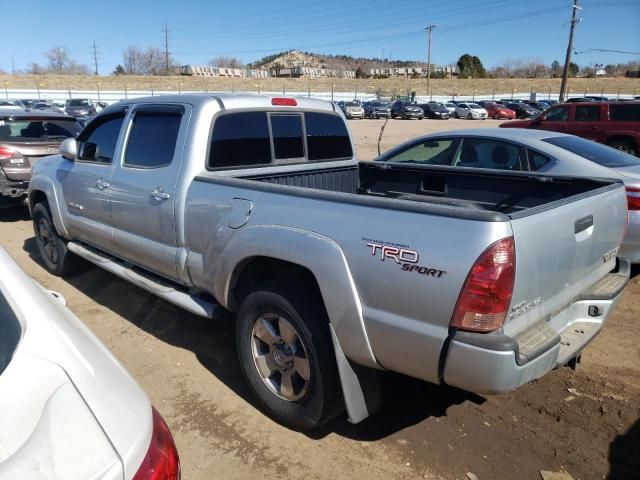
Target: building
{"x": 411, "y": 71}
{"x": 310, "y": 72}
{"x": 207, "y": 71}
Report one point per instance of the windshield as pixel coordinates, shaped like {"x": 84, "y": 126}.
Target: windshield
{"x": 78, "y": 103}
{"x": 10, "y": 328}
{"x": 351, "y": 104}
{"x": 25, "y": 129}
{"x": 597, "y": 153}
{"x": 474, "y": 105}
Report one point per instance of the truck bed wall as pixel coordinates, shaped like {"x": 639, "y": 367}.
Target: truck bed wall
{"x": 507, "y": 192}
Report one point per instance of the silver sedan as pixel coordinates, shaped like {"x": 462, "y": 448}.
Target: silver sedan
{"x": 531, "y": 151}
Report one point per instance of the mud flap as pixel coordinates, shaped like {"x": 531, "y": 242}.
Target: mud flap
{"x": 360, "y": 385}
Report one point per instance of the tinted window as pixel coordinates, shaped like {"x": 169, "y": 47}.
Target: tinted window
{"x": 38, "y": 129}
{"x": 587, "y": 113}
{"x": 98, "y": 141}
{"x": 558, "y": 114}
{"x": 431, "y": 152}
{"x": 78, "y": 103}
{"x": 11, "y": 332}
{"x": 240, "y": 139}
{"x": 621, "y": 112}
{"x": 327, "y": 137}
{"x": 537, "y": 160}
{"x": 488, "y": 153}
{"x": 152, "y": 140}
{"x": 600, "y": 154}
{"x": 287, "y": 136}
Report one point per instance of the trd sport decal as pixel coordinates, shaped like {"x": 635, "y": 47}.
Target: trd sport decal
{"x": 402, "y": 255}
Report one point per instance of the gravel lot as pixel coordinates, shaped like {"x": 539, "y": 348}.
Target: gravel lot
{"x": 584, "y": 422}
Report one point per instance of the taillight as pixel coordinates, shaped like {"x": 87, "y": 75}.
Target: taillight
{"x": 14, "y": 158}
{"x": 289, "y": 102}
{"x": 161, "y": 461}
{"x": 633, "y": 198}
{"x": 485, "y": 298}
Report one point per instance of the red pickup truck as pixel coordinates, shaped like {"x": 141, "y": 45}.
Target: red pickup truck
{"x": 616, "y": 124}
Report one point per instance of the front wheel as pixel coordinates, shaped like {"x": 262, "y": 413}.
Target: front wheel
{"x": 286, "y": 354}
{"x": 469, "y": 117}
{"x": 55, "y": 255}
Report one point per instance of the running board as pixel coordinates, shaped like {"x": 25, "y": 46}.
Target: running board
{"x": 147, "y": 281}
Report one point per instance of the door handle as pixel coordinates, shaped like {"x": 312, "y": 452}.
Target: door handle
{"x": 101, "y": 184}
{"x": 160, "y": 195}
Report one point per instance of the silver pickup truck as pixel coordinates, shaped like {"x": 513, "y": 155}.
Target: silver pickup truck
{"x": 336, "y": 269}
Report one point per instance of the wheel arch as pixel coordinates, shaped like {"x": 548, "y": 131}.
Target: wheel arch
{"x": 42, "y": 189}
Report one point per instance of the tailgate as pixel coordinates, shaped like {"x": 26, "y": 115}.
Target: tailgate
{"x": 562, "y": 251}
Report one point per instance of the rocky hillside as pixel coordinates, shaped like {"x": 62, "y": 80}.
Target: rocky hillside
{"x": 294, "y": 58}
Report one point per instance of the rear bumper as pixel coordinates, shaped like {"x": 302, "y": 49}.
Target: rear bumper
{"x": 13, "y": 189}
{"x": 496, "y": 363}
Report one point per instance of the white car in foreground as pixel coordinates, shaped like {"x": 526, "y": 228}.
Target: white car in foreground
{"x": 68, "y": 409}
{"x": 472, "y": 111}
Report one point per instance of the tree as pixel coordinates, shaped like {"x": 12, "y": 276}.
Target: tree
{"x": 471, "y": 66}
{"x": 119, "y": 70}
{"x": 151, "y": 61}
{"x": 556, "y": 69}
{"x": 360, "y": 73}
{"x": 228, "y": 62}
{"x": 35, "y": 68}
{"x": 58, "y": 59}
{"x": 573, "y": 69}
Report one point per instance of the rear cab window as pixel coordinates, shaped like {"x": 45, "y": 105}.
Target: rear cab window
{"x": 11, "y": 332}
{"x": 249, "y": 139}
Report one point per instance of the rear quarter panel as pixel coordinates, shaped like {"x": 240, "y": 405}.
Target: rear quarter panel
{"x": 405, "y": 314}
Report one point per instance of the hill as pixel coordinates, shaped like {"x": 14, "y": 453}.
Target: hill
{"x": 294, "y": 58}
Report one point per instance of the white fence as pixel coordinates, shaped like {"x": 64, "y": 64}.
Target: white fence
{"x": 112, "y": 96}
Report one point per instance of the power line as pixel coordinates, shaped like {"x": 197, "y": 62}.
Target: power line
{"x": 603, "y": 50}
{"x": 567, "y": 60}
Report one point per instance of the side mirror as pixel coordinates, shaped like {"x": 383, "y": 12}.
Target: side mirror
{"x": 69, "y": 149}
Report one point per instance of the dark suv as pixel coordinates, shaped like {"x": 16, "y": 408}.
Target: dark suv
{"x": 406, "y": 110}
{"x": 376, "y": 109}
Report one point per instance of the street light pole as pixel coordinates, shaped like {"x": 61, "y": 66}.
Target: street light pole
{"x": 429, "y": 28}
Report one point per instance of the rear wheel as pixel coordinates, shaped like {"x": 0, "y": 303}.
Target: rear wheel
{"x": 55, "y": 255}
{"x": 286, "y": 354}
{"x": 623, "y": 145}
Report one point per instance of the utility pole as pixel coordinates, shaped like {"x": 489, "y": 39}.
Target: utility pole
{"x": 166, "y": 49}
{"x": 567, "y": 60}
{"x": 95, "y": 56}
{"x": 13, "y": 67}
{"x": 429, "y": 28}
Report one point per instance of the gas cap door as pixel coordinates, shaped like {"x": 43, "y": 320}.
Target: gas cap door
{"x": 240, "y": 211}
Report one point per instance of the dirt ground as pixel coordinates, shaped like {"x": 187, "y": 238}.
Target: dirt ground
{"x": 585, "y": 422}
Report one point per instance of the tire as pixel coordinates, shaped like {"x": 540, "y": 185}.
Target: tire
{"x": 456, "y": 115}
{"x": 496, "y": 117}
{"x": 625, "y": 146}
{"x": 469, "y": 117}
{"x": 53, "y": 250}
{"x": 266, "y": 318}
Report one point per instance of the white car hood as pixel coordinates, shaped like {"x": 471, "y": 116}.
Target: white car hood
{"x": 46, "y": 429}
{"x": 66, "y": 348}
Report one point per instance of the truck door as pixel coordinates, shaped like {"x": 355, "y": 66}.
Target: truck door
{"x": 143, "y": 187}
{"x": 85, "y": 182}
{"x": 586, "y": 122}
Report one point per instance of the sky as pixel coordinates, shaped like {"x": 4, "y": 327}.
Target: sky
{"x": 199, "y": 30}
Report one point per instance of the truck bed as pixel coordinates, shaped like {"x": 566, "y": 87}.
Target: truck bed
{"x": 515, "y": 194}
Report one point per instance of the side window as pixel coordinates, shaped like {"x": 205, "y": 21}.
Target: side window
{"x": 431, "y": 152}
{"x": 287, "y": 136}
{"x": 98, "y": 142}
{"x": 327, "y": 137}
{"x": 624, "y": 112}
{"x": 537, "y": 160}
{"x": 488, "y": 153}
{"x": 152, "y": 139}
{"x": 587, "y": 113}
{"x": 239, "y": 140}
{"x": 558, "y": 114}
